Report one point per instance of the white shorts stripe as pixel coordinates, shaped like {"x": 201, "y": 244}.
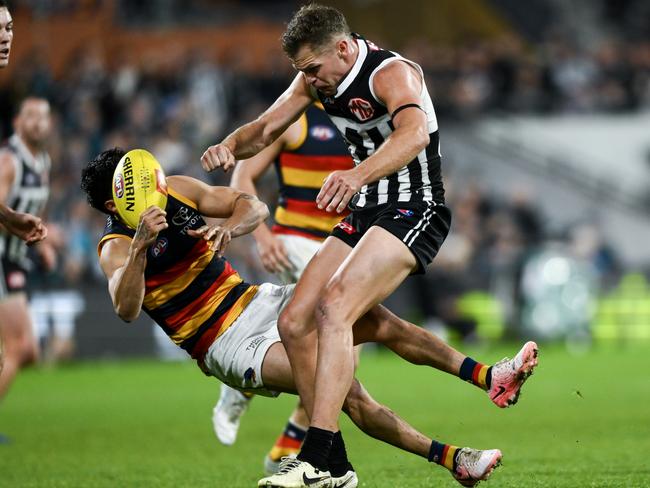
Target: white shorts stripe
{"x": 420, "y": 226}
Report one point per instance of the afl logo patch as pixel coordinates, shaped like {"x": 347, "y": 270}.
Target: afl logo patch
{"x": 362, "y": 109}
{"x": 322, "y": 132}
{"x": 118, "y": 183}
{"x": 159, "y": 247}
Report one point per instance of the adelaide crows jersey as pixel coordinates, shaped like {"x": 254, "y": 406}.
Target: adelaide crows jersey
{"x": 302, "y": 169}
{"x": 190, "y": 292}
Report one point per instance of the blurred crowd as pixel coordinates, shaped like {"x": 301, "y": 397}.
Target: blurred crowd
{"x": 177, "y": 103}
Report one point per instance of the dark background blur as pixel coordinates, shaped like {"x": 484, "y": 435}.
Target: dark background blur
{"x": 544, "y": 113}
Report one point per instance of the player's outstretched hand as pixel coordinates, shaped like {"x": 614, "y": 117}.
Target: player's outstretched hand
{"x": 152, "y": 221}
{"x": 218, "y": 156}
{"x": 218, "y": 235}
{"x": 273, "y": 254}
{"x": 26, "y": 226}
{"x": 338, "y": 190}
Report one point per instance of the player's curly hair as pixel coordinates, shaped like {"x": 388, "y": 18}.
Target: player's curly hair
{"x": 313, "y": 25}
{"x": 97, "y": 177}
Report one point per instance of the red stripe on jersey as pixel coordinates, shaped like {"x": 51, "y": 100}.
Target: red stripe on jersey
{"x": 170, "y": 274}
{"x": 316, "y": 163}
{"x": 179, "y": 318}
{"x": 280, "y": 229}
{"x": 308, "y": 207}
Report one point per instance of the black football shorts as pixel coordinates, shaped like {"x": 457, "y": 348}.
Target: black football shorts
{"x": 421, "y": 226}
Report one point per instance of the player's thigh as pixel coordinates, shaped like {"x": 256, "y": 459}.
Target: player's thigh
{"x": 15, "y": 320}
{"x": 276, "y": 370}
{"x": 318, "y": 272}
{"x": 373, "y": 270}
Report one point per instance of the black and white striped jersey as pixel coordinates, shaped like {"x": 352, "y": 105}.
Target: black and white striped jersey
{"x": 28, "y": 193}
{"x": 365, "y": 124}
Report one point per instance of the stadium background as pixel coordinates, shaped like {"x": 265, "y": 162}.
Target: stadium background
{"x": 544, "y": 109}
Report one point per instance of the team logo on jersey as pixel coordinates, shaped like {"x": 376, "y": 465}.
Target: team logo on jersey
{"x": 406, "y": 213}
{"x": 322, "y": 132}
{"x": 159, "y": 247}
{"x": 118, "y": 184}
{"x": 362, "y": 109}
{"x": 346, "y": 227}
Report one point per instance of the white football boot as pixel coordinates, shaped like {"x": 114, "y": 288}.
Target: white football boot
{"x": 348, "y": 480}
{"x": 474, "y": 466}
{"x": 295, "y": 473}
{"x": 227, "y": 413}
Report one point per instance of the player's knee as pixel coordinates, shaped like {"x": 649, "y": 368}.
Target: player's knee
{"x": 330, "y": 310}
{"x": 290, "y": 323}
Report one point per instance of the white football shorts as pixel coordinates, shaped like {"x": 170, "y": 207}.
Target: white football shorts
{"x": 300, "y": 250}
{"x": 237, "y": 356}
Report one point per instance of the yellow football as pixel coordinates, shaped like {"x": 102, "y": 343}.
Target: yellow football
{"x": 138, "y": 183}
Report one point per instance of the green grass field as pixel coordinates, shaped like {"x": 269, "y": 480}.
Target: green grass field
{"x": 583, "y": 421}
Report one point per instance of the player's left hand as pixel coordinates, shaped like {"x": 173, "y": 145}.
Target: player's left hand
{"x": 338, "y": 190}
{"x": 219, "y": 236}
{"x": 26, "y": 226}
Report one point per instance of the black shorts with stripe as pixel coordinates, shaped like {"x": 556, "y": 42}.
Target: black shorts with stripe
{"x": 421, "y": 226}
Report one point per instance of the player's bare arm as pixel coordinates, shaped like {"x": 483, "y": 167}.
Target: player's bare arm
{"x": 253, "y": 137}
{"x": 272, "y": 251}
{"x": 242, "y": 212}
{"x": 29, "y": 228}
{"x": 123, "y": 262}
{"x": 396, "y": 85}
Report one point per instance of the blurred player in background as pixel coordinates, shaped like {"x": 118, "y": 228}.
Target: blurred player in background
{"x": 24, "y": 187}
{"x": 303, "y": 156}
{"x": 28, "y": 227}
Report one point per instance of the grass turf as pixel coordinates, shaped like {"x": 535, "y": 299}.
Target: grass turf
{"x": 583, "y": 421}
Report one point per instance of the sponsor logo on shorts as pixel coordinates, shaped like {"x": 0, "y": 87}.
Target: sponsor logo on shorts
{"x": 406, "y": 213}
{"x": 346, "y": 227}
{"x": 255, "y": 343}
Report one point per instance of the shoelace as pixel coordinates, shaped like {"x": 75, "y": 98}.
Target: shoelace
{"x": 469, "y": 458}
{"x": 287, "y": 464}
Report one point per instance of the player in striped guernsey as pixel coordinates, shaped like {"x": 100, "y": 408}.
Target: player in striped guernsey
{"x": 303, "y": 156}
{"x": 28, "y": 227}
{"x": 24, "y": 187}
{"x": 380, "y": 103}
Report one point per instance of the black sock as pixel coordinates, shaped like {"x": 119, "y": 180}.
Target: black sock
{"x": 338, "y": 460}
{"x": 316, "y": 447}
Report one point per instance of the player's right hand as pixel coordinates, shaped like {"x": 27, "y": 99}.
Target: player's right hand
{"x": 26, "y": 226}
{"x": 152, "y": 221}
{"x": 218, "y": 156}
{"x": 273, "y": 254}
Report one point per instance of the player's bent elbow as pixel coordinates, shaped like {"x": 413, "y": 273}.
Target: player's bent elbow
{"x": 421, "y": 138}
{"x": 126, "y": 314}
